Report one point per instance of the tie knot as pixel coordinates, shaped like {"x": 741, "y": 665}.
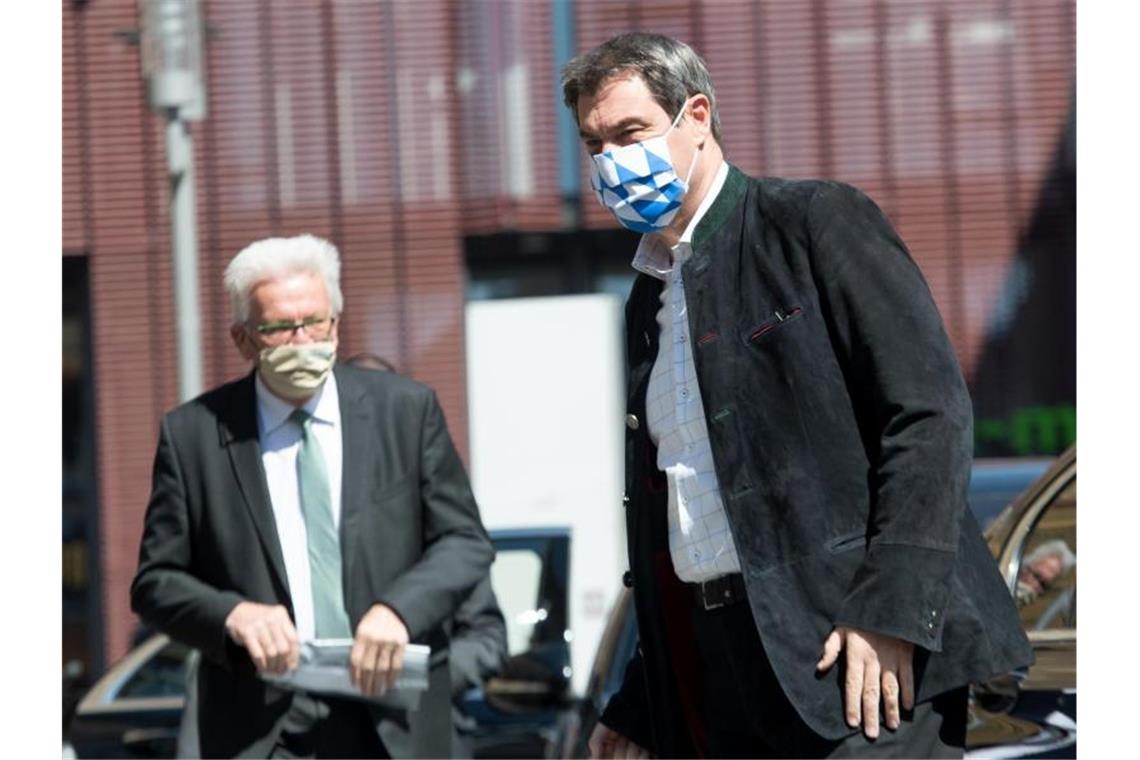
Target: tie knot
{"x": 302, "y": 418}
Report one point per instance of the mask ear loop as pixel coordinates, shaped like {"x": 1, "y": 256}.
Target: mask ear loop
{"x": 693, "y": 163}
{"x": 677, "y": 118}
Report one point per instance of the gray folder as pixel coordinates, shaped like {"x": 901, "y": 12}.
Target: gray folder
{"x": 324, "y": 669}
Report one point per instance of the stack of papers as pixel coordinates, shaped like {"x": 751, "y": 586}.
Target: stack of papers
{"x": 324, "y": 669}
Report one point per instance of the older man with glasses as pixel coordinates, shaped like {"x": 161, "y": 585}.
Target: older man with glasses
{"x": 304, "y": 501}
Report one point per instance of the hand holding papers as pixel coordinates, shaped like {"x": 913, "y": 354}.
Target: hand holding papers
{"x": 324, "y": 669}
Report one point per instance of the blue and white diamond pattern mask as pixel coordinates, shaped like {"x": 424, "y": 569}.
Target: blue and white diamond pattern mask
{"x": 639, "y": 184}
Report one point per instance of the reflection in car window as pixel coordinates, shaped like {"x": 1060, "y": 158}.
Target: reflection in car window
{"x": 163, "y": 675}
{"x": 1047, "y": 577}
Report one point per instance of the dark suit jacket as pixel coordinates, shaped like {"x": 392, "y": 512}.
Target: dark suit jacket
{"x": 410, "y": 532}
{"x": 478, "y": 639}
{"x": 841, "y": 433}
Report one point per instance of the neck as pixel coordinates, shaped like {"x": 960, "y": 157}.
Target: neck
{"x": 700, "y": 183}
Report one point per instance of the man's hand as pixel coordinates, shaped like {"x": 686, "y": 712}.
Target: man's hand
{"x": 378, "y": 650}
{"x": 876, "y": 663}
{"x": 605, "y": 742}
{"x": 267, "y": 633}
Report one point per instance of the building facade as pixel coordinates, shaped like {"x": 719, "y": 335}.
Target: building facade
{"x": 428, "y": 141}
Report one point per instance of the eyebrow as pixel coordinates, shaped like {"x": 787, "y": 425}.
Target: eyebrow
{"x": 618, "y": 128}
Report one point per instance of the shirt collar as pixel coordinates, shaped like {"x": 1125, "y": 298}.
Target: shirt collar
{"x": 273, "y": 412}
{"x": 653, "y": 257}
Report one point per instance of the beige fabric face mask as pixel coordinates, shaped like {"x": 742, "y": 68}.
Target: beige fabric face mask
{"x": 296, "y": 371}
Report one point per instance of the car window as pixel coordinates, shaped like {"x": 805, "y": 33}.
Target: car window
{"x": 1046, "y": 589}
{"x": 163, "y": 675}
{"x": 515, "y": 576}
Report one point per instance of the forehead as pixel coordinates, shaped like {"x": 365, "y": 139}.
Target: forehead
{"x": 619, "y": 98}
{"x": 289, "y": 295}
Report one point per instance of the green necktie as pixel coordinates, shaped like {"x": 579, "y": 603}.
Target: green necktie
{"x": 330, "y": 619}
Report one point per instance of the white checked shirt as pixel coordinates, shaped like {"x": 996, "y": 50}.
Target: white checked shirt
{"x": 700, "y": 541}
{"x": 280, "y": 440}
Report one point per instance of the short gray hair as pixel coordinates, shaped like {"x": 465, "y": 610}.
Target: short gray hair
{"x": 274, "y": 257}
{"x": 1058, "y": 548}
{"x": 670, "y": 69}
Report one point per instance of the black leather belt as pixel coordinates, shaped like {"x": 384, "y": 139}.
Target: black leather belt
{"x": 719, "y": 592}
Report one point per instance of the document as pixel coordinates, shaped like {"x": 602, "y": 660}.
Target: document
{"x": 324, "y": 669}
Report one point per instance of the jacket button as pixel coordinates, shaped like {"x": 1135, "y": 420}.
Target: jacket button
{"x": 632, "y": 422}
{"x": 625, "y": 499}
{"x": 627, "y": 579}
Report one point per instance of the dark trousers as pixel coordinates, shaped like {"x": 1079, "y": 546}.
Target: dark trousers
{"x": 745, "y": 713}
{"x": 328, "y": 727}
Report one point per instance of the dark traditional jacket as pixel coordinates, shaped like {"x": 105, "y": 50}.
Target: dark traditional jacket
{"x": 841, "y": 431}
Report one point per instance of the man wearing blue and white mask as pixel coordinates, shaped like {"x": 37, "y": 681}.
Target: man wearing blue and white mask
{"x": 799, "y": 437}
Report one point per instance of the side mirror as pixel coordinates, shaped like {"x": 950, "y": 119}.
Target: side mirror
{"x": 528, "y": 683}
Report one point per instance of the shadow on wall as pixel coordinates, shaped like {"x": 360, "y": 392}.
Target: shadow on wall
{"x": 1025, "y": 385}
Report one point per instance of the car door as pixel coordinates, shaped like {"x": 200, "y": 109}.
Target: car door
{"x": 518, "y": 712}
{"x": 134, "y": 710}
{"x": 1035, "y": 543}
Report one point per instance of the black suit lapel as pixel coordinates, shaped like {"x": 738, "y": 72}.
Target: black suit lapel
{"x": 357, "y": 461}
{"x": 238, "y": 430}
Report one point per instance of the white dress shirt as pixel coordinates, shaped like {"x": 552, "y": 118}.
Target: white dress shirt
{"x": 280, "y": 440}
{"x": 700, "y": 541}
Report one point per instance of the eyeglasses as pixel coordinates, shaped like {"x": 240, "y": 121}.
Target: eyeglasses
{"x": 281, "y": 332}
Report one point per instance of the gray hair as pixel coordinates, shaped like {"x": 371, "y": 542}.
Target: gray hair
{"x": 670, "y": 69}
{"x": 1056, "y": 547}
{"x": 274, "y": 257}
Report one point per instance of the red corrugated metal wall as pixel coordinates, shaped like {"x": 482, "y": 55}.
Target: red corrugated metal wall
{"x": 397, "y": 128}
{"x": 324, "y": 117}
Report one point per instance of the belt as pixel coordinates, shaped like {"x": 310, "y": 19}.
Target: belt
{"x": 719, "y": 592}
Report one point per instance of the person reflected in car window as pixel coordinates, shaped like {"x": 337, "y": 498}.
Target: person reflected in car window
{"x": 1042, "y": 568}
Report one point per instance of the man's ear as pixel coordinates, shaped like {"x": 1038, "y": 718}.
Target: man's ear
{"x": 700, "y": 113}
{"x": 244, "y": 345}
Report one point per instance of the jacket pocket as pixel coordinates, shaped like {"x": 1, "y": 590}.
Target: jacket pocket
{"x": 778, "y": 319}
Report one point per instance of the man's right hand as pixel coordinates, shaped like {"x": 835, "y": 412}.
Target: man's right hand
{"x": 268, "y": 635}
{"x": 605, "y": 742}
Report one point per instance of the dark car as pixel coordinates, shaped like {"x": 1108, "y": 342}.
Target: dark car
{"x": 135, "y": 709}
{"x": 1023, "y": 714}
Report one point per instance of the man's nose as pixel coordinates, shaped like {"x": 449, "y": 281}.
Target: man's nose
{"x": 301, "y": 335}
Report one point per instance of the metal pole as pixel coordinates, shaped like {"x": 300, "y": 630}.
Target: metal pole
{"x": 184, "y": 252}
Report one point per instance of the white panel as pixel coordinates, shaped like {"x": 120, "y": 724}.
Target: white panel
{"x": 544, "y": 384}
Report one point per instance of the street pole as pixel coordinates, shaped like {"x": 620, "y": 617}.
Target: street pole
{"x": 171, "y": 36}
{"x": 184, "y": 252}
